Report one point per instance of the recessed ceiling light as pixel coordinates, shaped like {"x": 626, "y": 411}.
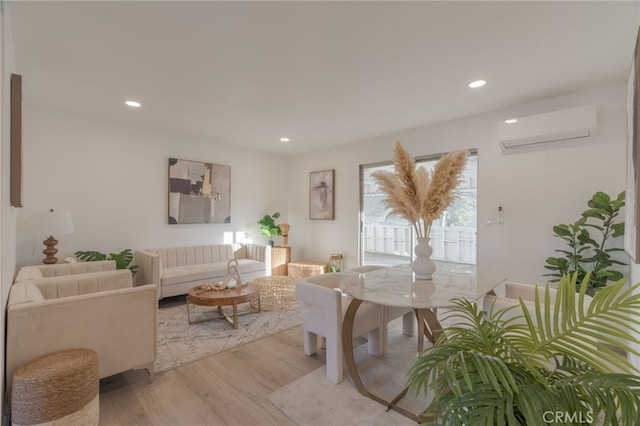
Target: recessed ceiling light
{"x": 133, "y": 104}
{"x": 511, "y": 121}
{"x": 477, "y": 83}
{"x": 284, "y": 139}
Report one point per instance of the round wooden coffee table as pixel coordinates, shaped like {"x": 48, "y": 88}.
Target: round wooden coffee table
{"x": 227, "y": 297}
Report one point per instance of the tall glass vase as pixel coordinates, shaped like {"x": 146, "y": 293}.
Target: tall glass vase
{"x": 422, "y": 266}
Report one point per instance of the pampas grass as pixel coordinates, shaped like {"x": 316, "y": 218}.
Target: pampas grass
{"x": 415, "y": 193}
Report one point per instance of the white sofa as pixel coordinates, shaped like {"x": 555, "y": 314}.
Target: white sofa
{"x": 177, "y": 269}
{"x": 48, "y": 311}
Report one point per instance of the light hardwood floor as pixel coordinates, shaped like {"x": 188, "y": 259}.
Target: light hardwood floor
{"x": 229, "y": 388}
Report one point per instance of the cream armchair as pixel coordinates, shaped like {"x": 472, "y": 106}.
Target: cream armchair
{"x": 96, "y": 310}
{"x": 59, "y": 269}
{"x": 323, "y": 309}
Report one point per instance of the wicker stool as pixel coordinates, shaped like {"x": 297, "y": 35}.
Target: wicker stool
{"x": 277, "y": 293}
{"x": 60, "y": 388}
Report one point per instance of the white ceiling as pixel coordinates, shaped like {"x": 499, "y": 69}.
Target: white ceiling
{"x": 321, "y": 73}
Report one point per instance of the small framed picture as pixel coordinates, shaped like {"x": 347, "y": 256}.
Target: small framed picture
{"x": 321, "y": 195}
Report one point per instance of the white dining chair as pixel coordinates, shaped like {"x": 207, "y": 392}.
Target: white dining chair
{"x": 513, "y": 292}
{"x": 323, "y": 309}
{"x": 390, "y": 313}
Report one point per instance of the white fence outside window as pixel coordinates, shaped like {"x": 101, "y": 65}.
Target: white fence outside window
{"x": 449, "y": 244}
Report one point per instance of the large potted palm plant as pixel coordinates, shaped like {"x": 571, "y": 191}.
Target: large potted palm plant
{"x": 559, "y": 363}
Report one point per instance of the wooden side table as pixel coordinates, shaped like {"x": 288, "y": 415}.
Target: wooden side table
{"x": 305, "y": 268}
{"x": 280, "y": 257}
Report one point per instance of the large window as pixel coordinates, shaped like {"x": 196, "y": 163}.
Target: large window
{"x": 388, "y": 240}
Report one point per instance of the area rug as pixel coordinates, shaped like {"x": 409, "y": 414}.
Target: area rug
{"x": 314, "y": 401}
{"x": 180, "y": 343}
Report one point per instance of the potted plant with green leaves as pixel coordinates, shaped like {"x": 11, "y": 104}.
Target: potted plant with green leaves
{"x": 588, "y": 243}
{"x": 123, "y": 259}
{"x": 510, "y": 368}
{"x": 268, "y": 226}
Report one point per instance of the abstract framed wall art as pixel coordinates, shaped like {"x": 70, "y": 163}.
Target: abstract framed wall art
{"x": 199, "y": 192}
{"x": 321, "y": 195}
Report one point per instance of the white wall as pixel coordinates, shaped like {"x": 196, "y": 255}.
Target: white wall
{"x": 7, "y": 212}
{"x": 536, "y": 190}
{"x": 114, "y": 179}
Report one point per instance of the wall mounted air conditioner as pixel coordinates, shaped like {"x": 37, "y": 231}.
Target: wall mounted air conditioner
{"x": 542, "y": 130}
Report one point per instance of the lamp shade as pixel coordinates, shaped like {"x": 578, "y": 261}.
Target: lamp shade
{"x": 53, "y": 223}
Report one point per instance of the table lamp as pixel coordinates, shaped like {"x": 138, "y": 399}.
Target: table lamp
{"x": 52, "y": 223}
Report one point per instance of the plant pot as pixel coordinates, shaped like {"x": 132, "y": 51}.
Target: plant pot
{"x": 271, "y": 243}
{"x": 422, "y": 266}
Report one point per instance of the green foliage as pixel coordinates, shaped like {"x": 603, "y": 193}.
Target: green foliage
{"x": 586, "y": 240}
{"x": 268, "y": 225}
{"x": 509, "y": 368}
{"x": 462, "y": 211}
{"x": 123, "y": 259}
